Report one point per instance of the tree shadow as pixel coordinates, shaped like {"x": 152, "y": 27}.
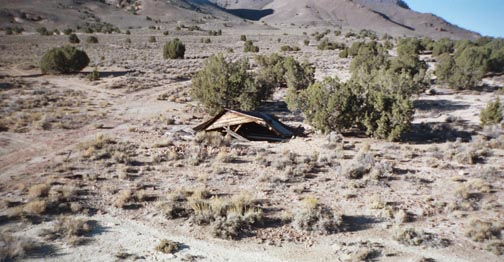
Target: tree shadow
{"x": 442, "y": 105}
{"x": 104, "y": 74}
{"x": 426, "y": 133}
{"x": 358, "y": 223}
{"x": 280, "y": 110}
{"x": 40, "y": 251}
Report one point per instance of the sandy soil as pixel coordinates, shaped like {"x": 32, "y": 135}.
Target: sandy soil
{"x": 143, "y": 100}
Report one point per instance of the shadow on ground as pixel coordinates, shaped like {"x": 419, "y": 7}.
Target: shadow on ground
{"x": 426, "y": 133}
{"x": 439, "y": 105}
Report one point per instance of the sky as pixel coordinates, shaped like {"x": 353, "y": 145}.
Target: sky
{"x": 483, "y": 16}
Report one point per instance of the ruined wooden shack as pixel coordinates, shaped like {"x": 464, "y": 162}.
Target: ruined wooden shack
{"x": 247, "y": 126}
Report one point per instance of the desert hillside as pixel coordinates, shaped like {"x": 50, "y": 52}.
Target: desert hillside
{"x": 392, "y": 17}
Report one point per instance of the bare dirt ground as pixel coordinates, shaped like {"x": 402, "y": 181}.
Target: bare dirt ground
{"x": 132, "y": 130}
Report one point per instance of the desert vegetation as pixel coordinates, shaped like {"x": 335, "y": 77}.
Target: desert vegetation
{"x": 397, "y": 154}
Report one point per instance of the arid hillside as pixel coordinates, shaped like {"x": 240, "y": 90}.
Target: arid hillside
{"x": 392, "y": 17}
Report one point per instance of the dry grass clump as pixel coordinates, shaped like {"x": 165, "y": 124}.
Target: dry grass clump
{"x": 235, "y": 218}
{"x": 212, "y": 139}
{"x": 365, "y": 254}
{"x": 362, "y": 163}
{"x": 26, "y": 108}
{"x": 411, "y": 237}
{"x": 103, "y": 148}
{"x": 316, "y": 217}
{"x": 376, "y": 202}
{"x": 228, "y": 218}
{"x": 262, "y": 159}
{"x": 224, "y": 156}
{"x": 334, "y": 141}
{"x": 128, "y": 198}
{"x": 469, "y": 195}
{"x": 13, "y": 248}
{"x": 496, "y": 247}
{"x": 36, "y": 207}
{"x": 40, "y": 190}
{"x": 70, "y": 229}
{"x": 481, "y": 231}
{"x": 471, "y": 154}
{"x": 168, "y": 246}
{"x": 197, "y": 154}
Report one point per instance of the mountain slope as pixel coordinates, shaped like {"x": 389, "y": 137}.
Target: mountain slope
{"x": 383, "y": 16}
{"x": 122, "y": 13}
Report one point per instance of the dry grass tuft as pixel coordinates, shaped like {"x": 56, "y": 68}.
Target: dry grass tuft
{"x": 315, "y": 217}
{"x": 13, "y": 248}
{"x": 496, "y": 247}
{"x": 36, "y": 207}
{"x": 40, "y": 190}
{"x": 481, "y": 231}
{"x": 69, "y": 229}
{"x": 168, "y": 246}
{"x": 123, "y": 198}
{"x": 213, "y": 139}
{"x": 411, "y": 237}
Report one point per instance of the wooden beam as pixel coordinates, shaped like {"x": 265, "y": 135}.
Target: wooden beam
{"x": 235, "y": 135}
{"x": 238, "y": 128}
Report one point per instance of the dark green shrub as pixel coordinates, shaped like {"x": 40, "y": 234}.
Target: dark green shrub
{"x": 243, "y": 38}
{"x": 166, "y": 32}
{"x": 43, "y": 31}
{"x": 343, "y": 53}
{"x": 206, "y": 40}
{"x": 215, "y": 33}
{"x": 128, "y": 41}
{"x": 68, "y": 31}
{"x": 388, "y": 45}
{"x": 285, "y": 71}
{"x": 337, "y": 32}
{"x": 470, "y": 66}
{"x": 94, "y": 76}
{"x": 152, "y": 39}
{"x": 306, "y": 42}
{"x": 194, "y": 28}
{"x": 73, "y": 39}
{"x": 492, "y": 114}
{"x": 288, "y": 48}
{"x": 409, "y": 46}
{"x": 8, "y": 31}
{"x": 444, "y": 67}
{"x": 250, "y": 47}
{"x": 350, "y": 34}
{"x": 16, "y": 30}
{"x": 375, "y": 100}
{"x": 427, "y": 44}
{"x": 407, "y": 60}
{"x": 63, "y": 60}
{"x": 365, "y": 33}
{"x": 328, "y": 105}
{"x": 128, "y": 32}
{"x": 92, "y": 40}
{"x": 442, "y": 46}
{"x": 174, "y": 49}
{"x": 327, "y": 45}
{"x": 387, "y": 115}
{"x": 221, "y": 84}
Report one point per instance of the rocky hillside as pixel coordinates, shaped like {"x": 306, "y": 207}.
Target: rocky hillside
{"x": 383, "y": 16}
